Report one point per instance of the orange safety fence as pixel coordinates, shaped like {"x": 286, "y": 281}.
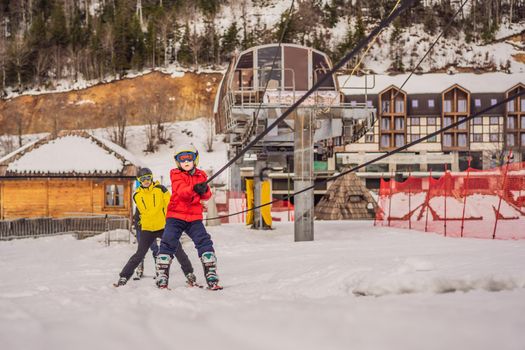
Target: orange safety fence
{"x": 473, "y": 203}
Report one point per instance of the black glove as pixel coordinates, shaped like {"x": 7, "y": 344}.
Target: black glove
{"x": 201, "y": 188}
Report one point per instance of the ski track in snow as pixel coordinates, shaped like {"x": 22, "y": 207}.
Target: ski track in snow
{"x": 56, "y": 293}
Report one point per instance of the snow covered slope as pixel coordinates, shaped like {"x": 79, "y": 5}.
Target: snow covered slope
{"x": 422, "y": 291}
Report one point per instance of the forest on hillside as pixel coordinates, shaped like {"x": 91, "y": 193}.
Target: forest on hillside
{"x": 43, "y": 41}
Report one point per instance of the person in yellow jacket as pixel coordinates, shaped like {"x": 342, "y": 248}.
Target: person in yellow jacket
{"x": 151, "y": 199}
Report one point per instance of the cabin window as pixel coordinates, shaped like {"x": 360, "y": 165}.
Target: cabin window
{"x": 493, "y": 101}
{"x": 477, "y": 102}
{"x": 295, "y": 69}
{"x": 510, "y": 106}
{"x": 431, "y": 103}
{"x": 477, "y": 137}
{"x": 267, "y": 75}
{"x": 320, "y": 68}
{"x": 244, "y": 72}
{"x": 114, "y": 195}
{"x": 494, "y": 137}
{"x": 415, "y": 103}
{"x": 478, "y": 121}
{"x": 511, "y": 141}
{"x": 494, "y": 120}
{"x": 431, "y": 121}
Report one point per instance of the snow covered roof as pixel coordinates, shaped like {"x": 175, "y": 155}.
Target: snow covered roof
{"x": 432, "y": 83}
{"x": 70, "y": 153}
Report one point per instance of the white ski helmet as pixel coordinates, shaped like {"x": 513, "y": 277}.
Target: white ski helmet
{"x": 187, "y": 149}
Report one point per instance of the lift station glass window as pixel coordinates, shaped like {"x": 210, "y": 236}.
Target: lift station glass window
{"x": 320, "y": 69}
{"x": 295, "y": 68}
{"x": 244, "y": 72}
{"x": 266, "y": 57}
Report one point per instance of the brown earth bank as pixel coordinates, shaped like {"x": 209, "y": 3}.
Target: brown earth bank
{"x": 141, "y": 99}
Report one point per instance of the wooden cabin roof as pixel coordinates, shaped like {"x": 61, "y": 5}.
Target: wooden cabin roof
{"x": 70, "y": 153}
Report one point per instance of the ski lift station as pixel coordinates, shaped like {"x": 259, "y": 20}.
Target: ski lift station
{"x": 260, "y": 84}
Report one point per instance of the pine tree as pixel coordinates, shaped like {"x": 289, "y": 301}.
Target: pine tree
{"x": 230, "y": 41}
{"x": 138, "y": 46}
{"x": 122, "y": 43}
{"x": 184, "y": 55}
{"x": 58, "y": 36}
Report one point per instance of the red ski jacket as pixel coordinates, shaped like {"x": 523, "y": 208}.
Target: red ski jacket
{"x": 185, "y": 204}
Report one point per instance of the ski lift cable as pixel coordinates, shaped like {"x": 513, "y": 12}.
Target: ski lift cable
{"x": 381, "y": 157}
{"x": 385, "y": 22}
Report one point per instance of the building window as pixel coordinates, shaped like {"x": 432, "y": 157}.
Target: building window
{"x": 431, "y": 103}
{"x": 432, "y": 139}
{"x": 414, "y": 137}
{"x": 478, "y": 121}
{"x": 415, "y": 103}
{"x": 385, "y": 123}
{"x": 494, "y": 120}
{"x": 511, "y": 122}
{"x": 447, "y": 121}
{"x": 477, "y": 102}
{"x": 400, "y": 140}
{"x": 385, "y": 141}
{"x": 114, "y": 195}
{"x": 523, "y": 139}
{"x": 353, "y": 103}
{"x": 493, "y": 101}
{"x": 448, "y": 106}
{"x": 462, "y": 126}
{"x": 494, "y": 137}
{"x": 511, "y": 141}
{"x": 462, "y": 106}
{"x": 369, "y": 138}
{"x": 462, "y": 140}
{"x": 477, "y": 137}
{"x": 510, "y": 106}
{"x": 369, "y": 103}
{"x": 431, "y": 121}
{"x": 447, "y": 140}
{"x": 415, "y": 121}
{"x": 522, "y": 105}
{"x": 523, "y": 122}
{"x": 386, "y": 107}
{"x": 400, "y": 106}
{"x": 400, "y": 123}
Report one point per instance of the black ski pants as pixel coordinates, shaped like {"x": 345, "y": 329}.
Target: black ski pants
{"x": 146, "y": 238}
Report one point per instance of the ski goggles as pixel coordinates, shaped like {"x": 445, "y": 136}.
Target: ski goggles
{"x": 185, "y": 157}
{"x": 145, "y": 178}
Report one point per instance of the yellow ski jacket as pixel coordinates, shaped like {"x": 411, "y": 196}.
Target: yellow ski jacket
{"x": 152, "y": 203}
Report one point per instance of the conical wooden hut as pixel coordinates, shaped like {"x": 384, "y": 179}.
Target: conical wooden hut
{"x": 346, "y": 199}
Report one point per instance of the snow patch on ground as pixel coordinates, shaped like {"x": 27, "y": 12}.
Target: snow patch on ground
{"x": 55, "y": 293}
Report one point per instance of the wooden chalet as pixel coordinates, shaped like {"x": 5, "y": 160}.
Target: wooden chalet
{"x": 71, "y": 174}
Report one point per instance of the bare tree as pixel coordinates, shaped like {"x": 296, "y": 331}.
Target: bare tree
{"x": 20, "y": 125}
{"x": 3, "y": 51}
{"x": 7, "y": 144}
{"x": 118, "y": 131}
{"x": 19, "y": 56}
{"x": 210, "y": 133}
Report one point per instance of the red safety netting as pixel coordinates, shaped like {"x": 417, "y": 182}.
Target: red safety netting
{"x": 474, "y": 203}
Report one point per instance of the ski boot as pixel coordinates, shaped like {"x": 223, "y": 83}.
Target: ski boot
{"x": 139, "y": 271}
{"x": 121, "y": 282}
{"x": 209, "y": 263}
{"x": 163, "y": 270}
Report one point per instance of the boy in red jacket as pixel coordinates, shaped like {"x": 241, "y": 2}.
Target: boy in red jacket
{"x": 188, "y": 188}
